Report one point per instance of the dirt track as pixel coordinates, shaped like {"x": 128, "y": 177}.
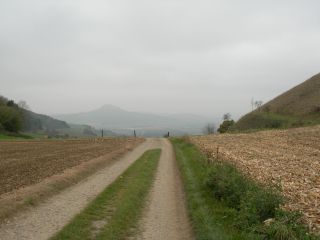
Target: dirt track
{"x": 165, "y": 217}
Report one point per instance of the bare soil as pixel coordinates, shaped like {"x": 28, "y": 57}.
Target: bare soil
{"x": 289, "y": 157}
{"x": 25, "y": 163}
{"x": 45, "y": 219}
{"x": 27, "y": 196}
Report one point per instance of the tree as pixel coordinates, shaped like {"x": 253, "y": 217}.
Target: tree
{"x": 226, "y": 116}
{"x": 10, "y": 103}
{"x": 258, "y": 104}
{"x": 10, "y": 119}
{"x": 209, "y": 129}
{"x": 252, "y": 103}
{"x": 23, "y": 104}
{"x": 89, "y": 131}
{"x": 225, "y": 126}
{"x": 3, "y": 101}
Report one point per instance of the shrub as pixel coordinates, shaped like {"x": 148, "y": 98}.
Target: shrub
{"x": 225, "y": 126}
{"x": 254, "y": 204}
{"x": 10, "y": 119}
{"x": 258, "y": 204}
{"x": 227, "y": 184}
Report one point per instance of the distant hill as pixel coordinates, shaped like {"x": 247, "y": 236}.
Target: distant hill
{"x": 15, "y": 118}
{"x": 124, "y": 122}
{"x": 297, "y": 107}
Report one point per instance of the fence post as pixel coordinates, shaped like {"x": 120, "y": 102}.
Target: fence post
{"x": 218, "y": 153}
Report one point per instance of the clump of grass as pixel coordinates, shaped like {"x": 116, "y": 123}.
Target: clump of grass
{"x": 258, "y": 204}
{"x": 30, "y": 201}
{"x": 280, "y": 231}
{"x": 227, "y": 184}
{"x": 254, "y": 202}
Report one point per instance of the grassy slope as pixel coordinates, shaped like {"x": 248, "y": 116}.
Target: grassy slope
{"x": 117, "y": 209}
{"x": 296, "y": 107}
{"x": 298, "y": 101}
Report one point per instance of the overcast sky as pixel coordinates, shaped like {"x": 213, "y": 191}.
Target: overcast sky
{"x": 203, "y": 57}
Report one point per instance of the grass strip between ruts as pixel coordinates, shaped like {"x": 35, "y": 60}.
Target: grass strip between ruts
{"x": 114, "y": 214}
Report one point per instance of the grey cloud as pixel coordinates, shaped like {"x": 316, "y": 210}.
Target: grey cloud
{"x": 205, "y": 57}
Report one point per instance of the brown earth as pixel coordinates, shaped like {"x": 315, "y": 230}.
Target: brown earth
{"x": 289, "y": 157}
{"x": 23, "y": 163}
{"x": 31, "y": 171}
{"x": 50, "y": 216}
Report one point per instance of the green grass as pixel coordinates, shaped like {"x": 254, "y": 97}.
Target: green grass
{"x": 17, "y": 136}
{"x": 211, "y": 218}
{"x": 114, "y": 214}
{"x": 224, "y": 204}
{"x": 263, "y": 121}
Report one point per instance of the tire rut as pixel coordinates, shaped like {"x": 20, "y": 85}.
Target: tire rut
{"x": 166, "y": 216}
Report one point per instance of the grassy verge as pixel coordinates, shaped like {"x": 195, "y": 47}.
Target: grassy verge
{"x": 17, "y": 136}
{"x": 224, "y": 204}
{"x": 115, "y": 212}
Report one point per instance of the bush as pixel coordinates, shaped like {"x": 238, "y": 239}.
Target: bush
{"x": 254, "y": 204}
{"x": 225, "y": 126}
{"x": 10, "y": 119}
{"x": 258, "y": 204}
{"x": 227, "y": 184}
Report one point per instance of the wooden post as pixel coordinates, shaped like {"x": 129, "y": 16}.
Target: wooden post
{"x": 218, "y": 153}
{"x": 102, "y": 133}
{"x": 134, "y": 133}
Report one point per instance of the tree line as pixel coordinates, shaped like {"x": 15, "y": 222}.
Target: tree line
{"x": 11, "y": 115}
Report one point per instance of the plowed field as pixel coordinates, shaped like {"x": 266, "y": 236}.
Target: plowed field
{"x": 24, "y": 163}
{"x": 289, "y": 157}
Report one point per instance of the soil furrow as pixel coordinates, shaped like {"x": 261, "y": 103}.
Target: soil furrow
{"x": 44, "y": 220}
